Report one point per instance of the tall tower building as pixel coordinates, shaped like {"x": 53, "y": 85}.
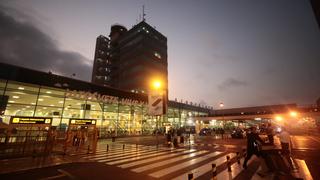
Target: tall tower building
{"x": 132, "y": 58}
{"x": 316, "y": 9}
{"x": 102, "y": 64}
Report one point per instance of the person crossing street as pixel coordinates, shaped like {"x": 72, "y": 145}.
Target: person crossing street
{"x": 253, "y": 145}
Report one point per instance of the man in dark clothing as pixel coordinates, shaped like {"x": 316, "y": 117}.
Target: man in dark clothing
{"x": 252, "y": 145}
{"x": 169, "y": 138}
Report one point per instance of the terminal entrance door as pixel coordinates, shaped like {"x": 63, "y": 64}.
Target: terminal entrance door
{"x": 82, "y": 133}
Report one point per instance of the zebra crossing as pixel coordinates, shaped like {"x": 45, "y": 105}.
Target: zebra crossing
{"x": 201, "y": 145}
{"x": 168, "y": 163}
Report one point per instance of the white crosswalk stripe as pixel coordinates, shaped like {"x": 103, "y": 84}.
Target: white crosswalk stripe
{"x": 114, "y": 152}
{"x": 98, "y": 151}
{"x": 205, "y": 168}
{"x": 174, "y": 163}
{"x": 155, "y": 159}
{"x": 120, "y": 151}
{"x": 117, "y": 151}
{"x": 169, "y": 170}
{"x": 235, "y": 170}
{"x": 135, "y": 154}
{"x": 140, "y": 157}
{"x": 120, "y": 155}
{"x": 197, "y": 144}
{"x": 154, "y": 165}
{"x": 304, "y": 170}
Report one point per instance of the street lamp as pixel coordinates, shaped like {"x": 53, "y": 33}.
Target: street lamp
{"x": 157, "y": 87}
{"x": 221, "y": 106}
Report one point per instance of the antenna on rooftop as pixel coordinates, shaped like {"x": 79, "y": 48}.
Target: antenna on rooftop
{"x": 143, "y": 14}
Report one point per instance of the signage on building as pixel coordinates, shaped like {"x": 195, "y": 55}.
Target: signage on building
{"x": 155, "y": 103}
{"x": 83, "y": 121}
{"x": 103, "y": 98}
{"x": 30, "y": 120}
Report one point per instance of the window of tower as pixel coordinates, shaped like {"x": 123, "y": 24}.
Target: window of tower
{"x": 156, "y": 54}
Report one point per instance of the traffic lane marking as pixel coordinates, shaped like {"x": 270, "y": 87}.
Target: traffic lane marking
{"x": 63, "y": 173}
{"x": 303, "y": 169}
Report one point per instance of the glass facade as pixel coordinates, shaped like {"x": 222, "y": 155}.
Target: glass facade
{"x": 30, "y": 100}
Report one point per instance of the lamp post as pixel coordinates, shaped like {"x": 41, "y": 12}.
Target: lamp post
{"x": 156, "y": 86}
{"x": 221, "y": 105}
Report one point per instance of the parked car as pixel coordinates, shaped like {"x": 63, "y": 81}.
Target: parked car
{"x": 205, "y": 132}
{"x": 238, "y": 133}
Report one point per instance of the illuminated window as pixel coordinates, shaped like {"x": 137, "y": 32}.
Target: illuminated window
{"x": 157, "y": 55}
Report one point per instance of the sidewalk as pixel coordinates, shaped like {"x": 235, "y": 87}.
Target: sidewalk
{"x": 26, "y": 163}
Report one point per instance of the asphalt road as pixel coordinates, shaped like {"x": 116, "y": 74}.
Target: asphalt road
{"x": 84, "y": 170}
{"x": 306, "y": 148}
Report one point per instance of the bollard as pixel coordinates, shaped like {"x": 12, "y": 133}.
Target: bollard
{"x": 88, "y": 149}
{"x": 190, "y": 176}
{"x": 123, "y": 147}
{"x": 214, "y": 171}
{"x": 228, "y": 164}
{"x": 244, "y": 152}
{"x": 107, "y": 147}
{"x": 238, "y": 157}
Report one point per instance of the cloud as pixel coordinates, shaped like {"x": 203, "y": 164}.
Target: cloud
{"x": 23, "y": 44}
{"x": 231, "y": 83}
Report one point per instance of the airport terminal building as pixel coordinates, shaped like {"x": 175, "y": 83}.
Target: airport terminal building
{"x": 30, "y": 93}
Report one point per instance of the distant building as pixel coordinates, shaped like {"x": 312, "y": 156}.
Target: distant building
{"x": 316, "y": 9}
{"x": 130, "y": 59}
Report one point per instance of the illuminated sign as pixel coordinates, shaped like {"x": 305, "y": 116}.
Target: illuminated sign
{"x": 102, "y": 98}
{"x": 83, "y": 121}
{"x": 30, "y": 120}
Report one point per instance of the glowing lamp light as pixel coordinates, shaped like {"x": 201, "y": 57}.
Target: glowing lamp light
{"x": 279, "y": 118}
{"x": 293, "y": 114}
{"x": 157, "y": 84}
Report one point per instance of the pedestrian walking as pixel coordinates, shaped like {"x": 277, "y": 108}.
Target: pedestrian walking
{"x": 169, "y": 138}
{"x": 285, "y": 141}
{"x": 222, "y": 133}
{"x": 270, "y": 133}
{"x": 253, "y": 145}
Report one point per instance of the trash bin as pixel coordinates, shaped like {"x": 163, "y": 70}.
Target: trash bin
{"x": 113, "y": 139}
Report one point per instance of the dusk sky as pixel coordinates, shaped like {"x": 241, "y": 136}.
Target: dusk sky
{"x": 239, "y": 52}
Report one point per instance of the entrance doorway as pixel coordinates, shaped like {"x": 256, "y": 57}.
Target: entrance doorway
{"x": 82, "y": 133}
